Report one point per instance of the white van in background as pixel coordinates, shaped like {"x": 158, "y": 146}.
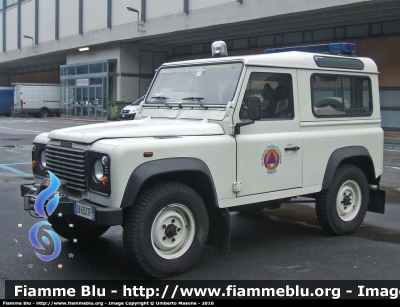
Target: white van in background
{"x": 36, "y": 99}
{"x": 129, "y": 112}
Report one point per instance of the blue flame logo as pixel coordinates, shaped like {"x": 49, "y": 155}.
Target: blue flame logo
{"x": 45, "y": 211}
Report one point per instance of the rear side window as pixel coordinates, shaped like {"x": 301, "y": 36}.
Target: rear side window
{"x": 341, "y": 96}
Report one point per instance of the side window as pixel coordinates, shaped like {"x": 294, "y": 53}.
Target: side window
{"x": 341, "y": 96}
{"x": 275, "y": 91}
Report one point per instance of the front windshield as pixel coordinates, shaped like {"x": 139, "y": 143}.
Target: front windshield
{"x": 212, "y": 84}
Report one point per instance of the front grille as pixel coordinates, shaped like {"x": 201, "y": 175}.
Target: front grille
{"x": 68, "y": 164}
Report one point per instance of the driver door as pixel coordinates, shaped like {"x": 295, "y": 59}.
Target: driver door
{"x": 269, "y": 151}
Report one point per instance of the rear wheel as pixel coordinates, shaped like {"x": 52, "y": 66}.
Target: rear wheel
{"x": 72, "y": 228}
{"x": 165, "y": 231}
{"x": 341, "y": 207}
{"x": 43, "y": 113}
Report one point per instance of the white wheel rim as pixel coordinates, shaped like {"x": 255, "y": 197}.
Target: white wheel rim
{"x": 173, "y": 231}
{"x": 348, "y": 200}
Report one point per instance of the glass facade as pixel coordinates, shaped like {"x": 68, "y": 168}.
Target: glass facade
{"x": 87, "y": 88}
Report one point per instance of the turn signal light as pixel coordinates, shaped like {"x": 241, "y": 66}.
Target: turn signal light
{"x": 34, "y": 164}
{"x": 105, "y": 180}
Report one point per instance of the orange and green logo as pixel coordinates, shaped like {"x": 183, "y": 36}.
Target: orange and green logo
{"x": 271, "y": 159}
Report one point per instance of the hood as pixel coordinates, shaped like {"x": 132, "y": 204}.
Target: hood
{"x": 130, "y": 107}
{"x": 137, "y": 128}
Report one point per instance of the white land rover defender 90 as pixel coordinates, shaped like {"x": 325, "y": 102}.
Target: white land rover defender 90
{"x": 216, "y": 135}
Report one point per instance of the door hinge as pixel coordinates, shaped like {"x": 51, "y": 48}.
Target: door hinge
{"x": 237, "y": 186}
{"x": 232, "y": 129}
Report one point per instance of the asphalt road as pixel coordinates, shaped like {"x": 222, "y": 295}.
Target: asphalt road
{"x": 283, "y": 244}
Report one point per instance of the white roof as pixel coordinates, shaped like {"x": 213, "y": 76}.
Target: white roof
{"x": 289, "y": 59}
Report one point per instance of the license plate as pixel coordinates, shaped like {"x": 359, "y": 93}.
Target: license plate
{"x": 123, "y": 115}
{"x": 85, "y": 211}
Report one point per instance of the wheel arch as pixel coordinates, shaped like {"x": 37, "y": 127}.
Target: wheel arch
{"x": 355, "y": 155}
{"x": 192, "y": 172}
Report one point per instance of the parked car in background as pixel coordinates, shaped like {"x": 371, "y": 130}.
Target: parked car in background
{"x": 129, "y": 112}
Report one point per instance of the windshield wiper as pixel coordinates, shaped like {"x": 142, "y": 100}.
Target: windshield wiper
{"x": 198, "y": 99}
{"x": 164, "y": 100}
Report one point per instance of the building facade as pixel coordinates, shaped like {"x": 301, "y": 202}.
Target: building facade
{"x": 127, "y": 40}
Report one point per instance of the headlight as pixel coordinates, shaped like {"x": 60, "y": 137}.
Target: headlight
{"x": 98, "y": 171}
{"x": 43, "y": 158}
{"x": 99, "y": 181}
{"x": 39, "y": 160}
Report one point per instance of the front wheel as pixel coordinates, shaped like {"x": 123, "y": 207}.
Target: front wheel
{"x": 341, "y": 207}
{"x": 165, "y": 231}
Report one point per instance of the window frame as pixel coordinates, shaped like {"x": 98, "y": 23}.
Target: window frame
{"x": 280, "y": 76}
{"x": 367, "y": 113}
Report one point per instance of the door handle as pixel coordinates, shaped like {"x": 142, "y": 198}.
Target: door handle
{"x": 296, "y": 148}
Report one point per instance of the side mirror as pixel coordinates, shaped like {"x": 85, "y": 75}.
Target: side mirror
{"x": 254, "y": 107}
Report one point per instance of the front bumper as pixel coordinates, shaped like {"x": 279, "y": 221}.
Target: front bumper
{"x": 103, "y": 216}
{"x": 128, "y": 116}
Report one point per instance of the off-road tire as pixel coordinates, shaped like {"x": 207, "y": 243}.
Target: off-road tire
{"x": 341, "y": 207}
{"x": 81, "y": 231}
{"x": 165, "y": 231}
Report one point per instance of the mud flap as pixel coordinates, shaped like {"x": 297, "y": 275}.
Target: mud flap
{"x": 220, "y": 227}
{"x": 377, "y": 200}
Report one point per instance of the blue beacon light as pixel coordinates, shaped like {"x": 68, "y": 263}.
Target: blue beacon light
{"x": 334, "y": 48}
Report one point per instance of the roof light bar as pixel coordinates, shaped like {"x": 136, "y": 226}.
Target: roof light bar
{"x": 334, "y": 48}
